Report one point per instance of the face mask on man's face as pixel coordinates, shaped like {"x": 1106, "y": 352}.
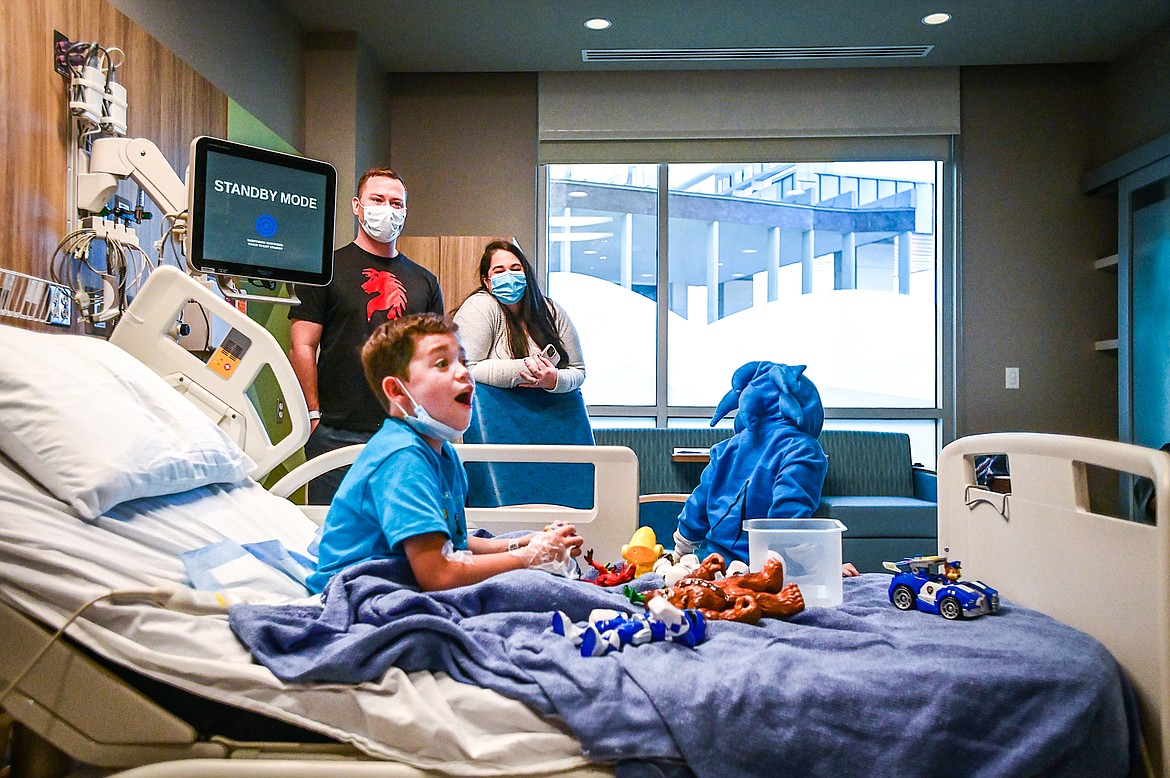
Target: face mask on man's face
{"x": 383, "y": 223}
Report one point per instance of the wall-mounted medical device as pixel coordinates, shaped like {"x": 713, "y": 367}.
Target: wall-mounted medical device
{"x": 248, "y": 212}
{"x": 244, "y": 218}
{"x": 259, "y": 214}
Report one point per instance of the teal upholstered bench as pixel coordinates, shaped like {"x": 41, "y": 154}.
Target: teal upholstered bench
{"x": 888, "y": 506}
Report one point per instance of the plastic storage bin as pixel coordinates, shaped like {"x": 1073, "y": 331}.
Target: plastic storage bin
{"x": 811, "y": 550}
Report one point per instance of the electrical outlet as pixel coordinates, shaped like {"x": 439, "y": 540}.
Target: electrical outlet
{"x": 61, "y": 46}
{"x": 1011, "y": 378}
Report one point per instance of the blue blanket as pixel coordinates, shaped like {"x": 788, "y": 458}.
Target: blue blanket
{"x": 861, "y": 689}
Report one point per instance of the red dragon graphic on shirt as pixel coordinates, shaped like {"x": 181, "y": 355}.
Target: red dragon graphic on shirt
{"x": 389, "y": 294}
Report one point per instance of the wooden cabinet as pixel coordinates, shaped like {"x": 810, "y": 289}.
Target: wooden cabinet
{"x": 454, "y": 259}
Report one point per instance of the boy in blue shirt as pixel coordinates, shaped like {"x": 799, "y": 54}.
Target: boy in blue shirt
{"x": 404, "y": 496}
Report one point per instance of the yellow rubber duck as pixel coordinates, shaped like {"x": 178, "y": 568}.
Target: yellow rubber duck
{"x": 642, "y": 551}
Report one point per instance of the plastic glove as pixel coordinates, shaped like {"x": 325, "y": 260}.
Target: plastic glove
{"x": 550, "y": 550}
{"x": 682, "y": 546}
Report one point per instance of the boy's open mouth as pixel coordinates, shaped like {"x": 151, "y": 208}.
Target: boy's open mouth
{"x": 464, "y": 397}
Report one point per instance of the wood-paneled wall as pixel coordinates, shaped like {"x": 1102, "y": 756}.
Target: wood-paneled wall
{"x": 454, "y": 259}
{"x": 169, "y": 103}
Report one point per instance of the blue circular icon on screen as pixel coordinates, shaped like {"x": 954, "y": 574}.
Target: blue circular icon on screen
{"x": 266, "y": 225}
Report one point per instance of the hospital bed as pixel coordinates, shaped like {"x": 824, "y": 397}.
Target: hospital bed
{"x": 95, "y": 693}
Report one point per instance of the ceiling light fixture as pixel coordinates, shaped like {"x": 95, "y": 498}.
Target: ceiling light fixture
{"x": 938, "y": 18}
{"x": 598, "y": 24}
{"x": 578, "y": 193}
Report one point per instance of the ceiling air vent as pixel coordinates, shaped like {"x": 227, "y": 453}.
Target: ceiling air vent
{"x": 753, "y": 54}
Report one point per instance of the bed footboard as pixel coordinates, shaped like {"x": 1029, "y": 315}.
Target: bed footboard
{"x": 1043, "y": 547}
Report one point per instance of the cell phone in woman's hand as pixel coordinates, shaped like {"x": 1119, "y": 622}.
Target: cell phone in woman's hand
{"x": 551, "y": 353}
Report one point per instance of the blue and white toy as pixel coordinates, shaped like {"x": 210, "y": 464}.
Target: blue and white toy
{"x": 939, "y": 592}
{"x": 610, "y": 630}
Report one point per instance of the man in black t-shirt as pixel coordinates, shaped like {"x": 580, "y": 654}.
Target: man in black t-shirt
{"x": 372, "y": 283}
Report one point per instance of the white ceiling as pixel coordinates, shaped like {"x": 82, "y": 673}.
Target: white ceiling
{"x": 548, "y": 35}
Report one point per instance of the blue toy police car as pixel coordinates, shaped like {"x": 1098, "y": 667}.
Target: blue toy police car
{"x": 932, "y": 585}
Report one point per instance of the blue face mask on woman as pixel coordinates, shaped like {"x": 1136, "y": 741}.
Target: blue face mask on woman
{"x": 509, "y": 287}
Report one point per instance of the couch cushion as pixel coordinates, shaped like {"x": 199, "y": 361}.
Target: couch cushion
{"x": 867, "y": 554}
{"x": 868, "y": 463}
{"x": 657, "y": 474}
{"x": 882, "y": 517}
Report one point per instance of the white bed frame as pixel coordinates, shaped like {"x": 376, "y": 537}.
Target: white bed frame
{"x": 1040, "y": 546}
{"x": 1043, "y": 548}
{"x": 144, "y": 329}
{"x": 606, "y": 526}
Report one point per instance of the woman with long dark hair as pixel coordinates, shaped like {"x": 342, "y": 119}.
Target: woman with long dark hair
{"x": 514, "y": 335}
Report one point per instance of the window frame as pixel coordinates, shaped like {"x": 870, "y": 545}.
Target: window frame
{"x": 947, "y": 307}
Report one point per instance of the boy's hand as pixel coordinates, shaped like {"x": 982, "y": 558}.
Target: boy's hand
{"x": 550, "y": 550}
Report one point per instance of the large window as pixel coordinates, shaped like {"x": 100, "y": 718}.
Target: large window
{"x": 676, "y": 274}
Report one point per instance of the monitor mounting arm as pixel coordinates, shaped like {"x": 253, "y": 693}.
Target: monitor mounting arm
{"x": 111, "y": 159}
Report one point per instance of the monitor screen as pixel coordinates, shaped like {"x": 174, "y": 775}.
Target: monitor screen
{"x": 255, "y": 213}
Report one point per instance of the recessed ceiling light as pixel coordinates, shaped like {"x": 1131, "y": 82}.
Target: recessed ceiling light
{"x": 578, "y": 193}
{"x": 590, "y": 251}
{"x": 749, "y": 251}
{"x": 939, "y": 18}
{"x": 598, "y": 23}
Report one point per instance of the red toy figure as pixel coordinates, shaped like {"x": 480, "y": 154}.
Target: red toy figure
{"x": 606, "y": 576}
{"x": 747, "y": 598}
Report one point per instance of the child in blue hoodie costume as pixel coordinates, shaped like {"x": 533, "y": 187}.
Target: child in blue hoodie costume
{"x": 773, "y": 467}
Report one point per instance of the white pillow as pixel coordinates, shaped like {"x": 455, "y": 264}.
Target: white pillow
{"x": 96, "y": 427}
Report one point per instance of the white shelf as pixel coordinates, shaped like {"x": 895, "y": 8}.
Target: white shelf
{"x": 1106, "y": 263}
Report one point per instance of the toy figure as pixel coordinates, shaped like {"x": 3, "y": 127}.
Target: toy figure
{"x": 747, "y": 597}
{"x": 672, "y": 572}
{"x": 642, "y": 550}
{"x": 607, "y": 575}
{"x": 609, "y": 630}
{"x": 939, "y": 592}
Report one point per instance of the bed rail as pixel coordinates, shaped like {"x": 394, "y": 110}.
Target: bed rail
{"x": 1043, "y": 547}
{"x": 221, "y": 385}
{"x": 606, "y": 526}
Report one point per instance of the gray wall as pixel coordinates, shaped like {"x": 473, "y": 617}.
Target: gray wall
{"x": 1137, "y": 98}
{"x": 466, "y": 146}
{"x": 248, "y": 49}
{"x": 1029, "y": 296}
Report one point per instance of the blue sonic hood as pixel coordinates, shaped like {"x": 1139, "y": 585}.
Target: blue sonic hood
{"x": 768, "y": 394}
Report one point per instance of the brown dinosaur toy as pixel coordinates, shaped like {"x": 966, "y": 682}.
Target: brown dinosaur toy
{"x": 747, "y": 598}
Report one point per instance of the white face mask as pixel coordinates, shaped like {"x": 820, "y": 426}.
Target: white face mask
{"x": 425, "y": 424}
{"x": 383, "y": 223}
